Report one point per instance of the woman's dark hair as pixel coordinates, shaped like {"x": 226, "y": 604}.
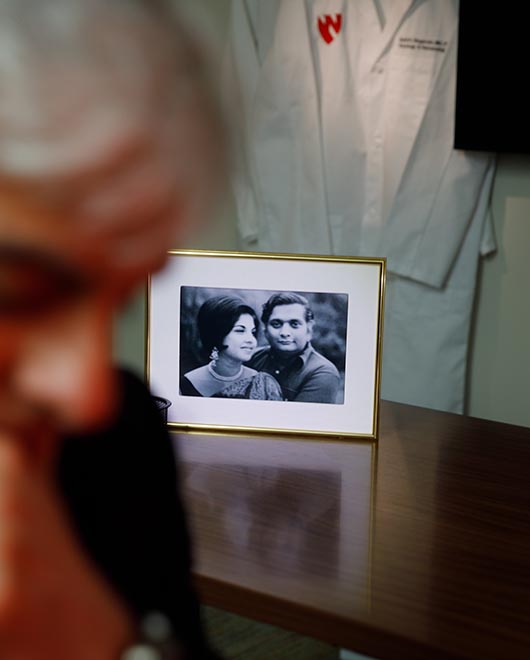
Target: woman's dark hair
{"x": 217, "y": 316}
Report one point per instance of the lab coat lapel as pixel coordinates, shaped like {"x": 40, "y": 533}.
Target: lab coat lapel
{"x": 409, "y": 92}
{"x": 396, "y": 13}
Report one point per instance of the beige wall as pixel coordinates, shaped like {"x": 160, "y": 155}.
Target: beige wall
{"x": 499, "y": 375}
{"x": 209, "y": 19}
{"x": 500, "y": 356}
{"x": 129, "y": 343}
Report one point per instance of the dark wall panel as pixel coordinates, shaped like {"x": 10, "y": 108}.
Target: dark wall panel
{"x": 493, "y": 77}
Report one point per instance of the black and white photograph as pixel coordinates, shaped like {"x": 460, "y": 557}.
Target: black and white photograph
{"x": 266, "y": 345}
{"x": 270, "y": 343}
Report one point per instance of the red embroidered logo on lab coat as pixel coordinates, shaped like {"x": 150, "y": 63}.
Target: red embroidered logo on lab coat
{"x": 329, "y": 26}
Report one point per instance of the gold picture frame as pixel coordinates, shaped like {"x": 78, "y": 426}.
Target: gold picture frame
{"x": 315, "y": 375}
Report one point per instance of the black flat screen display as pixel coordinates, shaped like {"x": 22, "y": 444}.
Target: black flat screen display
{"x": 493, "y": 77}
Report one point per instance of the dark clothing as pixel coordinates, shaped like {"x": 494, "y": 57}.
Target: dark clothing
{"x": 308, "y": 376}
{"x": 120, "y": 486}
{"x": 187, "y": 389}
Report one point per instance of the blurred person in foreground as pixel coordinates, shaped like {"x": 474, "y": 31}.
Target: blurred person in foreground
{"x": 109, "y": 142}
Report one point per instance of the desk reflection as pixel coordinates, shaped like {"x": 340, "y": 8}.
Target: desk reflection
{"x": 282, "y": 519}
{"x": 287, "y": 517}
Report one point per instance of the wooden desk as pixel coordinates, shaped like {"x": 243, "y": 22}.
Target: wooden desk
{"x": 425, "y": 556}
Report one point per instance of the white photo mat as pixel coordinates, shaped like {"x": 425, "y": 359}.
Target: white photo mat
{"x": 361, "y": 280}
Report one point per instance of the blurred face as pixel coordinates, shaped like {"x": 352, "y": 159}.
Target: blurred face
{"x": 63, "y": 274}
{"x": 241, "y": 341}
{"x": 109, "y": 142}
{"x": 287, "y": 330}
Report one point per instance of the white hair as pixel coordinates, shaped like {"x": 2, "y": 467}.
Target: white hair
{"x": 78, "y": 76}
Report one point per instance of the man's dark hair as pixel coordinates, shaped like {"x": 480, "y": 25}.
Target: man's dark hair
{"x": 217, "y": 316}
{"x": 286, "y": 298}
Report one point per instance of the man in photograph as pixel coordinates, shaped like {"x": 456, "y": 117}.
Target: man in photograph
{"x": 108, "y": 142}
{"x": 302, "y": 372}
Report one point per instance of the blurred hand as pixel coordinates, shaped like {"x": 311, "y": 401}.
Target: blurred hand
{"x": 53, "y": 603}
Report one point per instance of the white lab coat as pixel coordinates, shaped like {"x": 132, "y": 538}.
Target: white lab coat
{"x": 346, "y": 148}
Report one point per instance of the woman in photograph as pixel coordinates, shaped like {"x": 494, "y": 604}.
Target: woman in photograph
{"x": 228, "y": 328}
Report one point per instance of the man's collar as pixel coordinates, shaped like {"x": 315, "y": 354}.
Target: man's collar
{"x": 303, "y": 356}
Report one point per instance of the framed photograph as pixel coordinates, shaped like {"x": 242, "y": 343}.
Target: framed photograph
{"x": 267, "y": 343}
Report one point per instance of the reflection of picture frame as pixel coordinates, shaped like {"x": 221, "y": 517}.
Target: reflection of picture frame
{"x": 288, "y": 344}
{"x": 321, "y": 506}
